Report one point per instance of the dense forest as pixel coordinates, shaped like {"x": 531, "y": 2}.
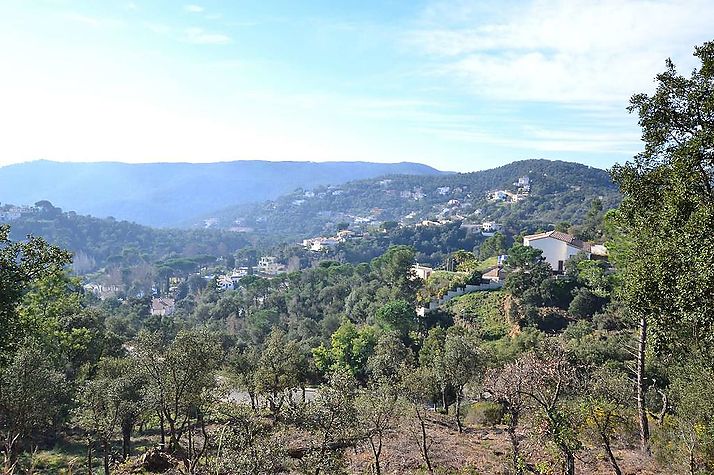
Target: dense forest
{"x": 605, "y": 368}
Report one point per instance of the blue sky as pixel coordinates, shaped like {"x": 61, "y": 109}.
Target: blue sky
{"x": 460, "y": 85}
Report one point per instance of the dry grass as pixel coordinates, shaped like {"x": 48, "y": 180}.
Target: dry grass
{"x": 482, "y": 451}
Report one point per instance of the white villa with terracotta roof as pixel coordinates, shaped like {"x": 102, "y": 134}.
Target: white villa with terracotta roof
{"x": 557, "y": 247}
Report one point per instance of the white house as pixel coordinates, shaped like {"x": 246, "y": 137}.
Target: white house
{"x": 422, "y": 272}
{"x": 490, "y": 228}
{"x": 557, "y": 247}
{"x": 224, "y": 282}
{"x": 269, "y": 265}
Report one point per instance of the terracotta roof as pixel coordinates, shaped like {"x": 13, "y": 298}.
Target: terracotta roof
{"x": 564, "y": 237}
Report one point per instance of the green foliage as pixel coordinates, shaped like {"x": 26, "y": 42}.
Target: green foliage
{"x": 397, "y": 316}
{"x": 559, "y": 191}
{"x": 390, "y": 355}
{"x": 585, "y": 304}
{"x": 21, "y": 265}
{"x": 248, "y": 443}
{"x": 492, "y": 246}
{"x": 486, "y": 414}
{"x": 32, "y": 396}
{"x": 350, "y": 347}
{"x": 180, "y": 376}
{"x": 279, "y": 369}
{"x": 482, "y": 312}
{"x": 668, "y": 210}
{"x": 686, "y": 437}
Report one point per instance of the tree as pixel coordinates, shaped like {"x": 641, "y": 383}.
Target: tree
{"x": 416, "y": 389}
{"x": 99, "y": 414}
{"x": 397, "y": 316}
{"x": 462, "y": 362}
{"x": 549, "y": 377}
{"x": 507, "y": 386}
{"x": 686, "y": 435}
{"x": 331, "y": 423}
{"x": 350, "y": 347}
{"x": 668, "y": 213}
{"x": 278, "y": 371}
{"x": 377, "y": 414}
{"x": 605, "y": 407}
{"x": 431, "y": 356}
{"x": 21, "y": 264}
{"x": 127, "y": 386}
{"x": 394, "y": 268}
{"x": 248, "y": 443}
{"x": 180, "y": 377}
{"x": 492, "y": 246}
{"x": 243, "y": 366}
{"x": 389, "y": 357}
{"x": 31, "y": 392}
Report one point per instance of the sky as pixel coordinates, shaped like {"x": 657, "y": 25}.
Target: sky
{"x": 458, "y": 85}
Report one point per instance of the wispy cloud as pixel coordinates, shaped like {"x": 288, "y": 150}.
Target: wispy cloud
{"x": 561, "y": 51}
{"x": 193, "y": 8}
{"x": 199, "y": 36}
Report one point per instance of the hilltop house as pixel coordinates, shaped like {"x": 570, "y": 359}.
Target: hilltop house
{"x": 162, "y": 306}
{"x": 557, "y": 247}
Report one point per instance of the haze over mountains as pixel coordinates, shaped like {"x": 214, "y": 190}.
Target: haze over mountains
{"x": 170, "y": 194}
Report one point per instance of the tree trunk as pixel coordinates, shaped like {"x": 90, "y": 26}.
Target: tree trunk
{"x": 610, "y": 455}
{"x": 458, "y": 412}
{"x": 126, "y": 428}
{"x": 105, "y": 449}
{"x": 424, "y": 445}
{"x": 569, "y": 463}
{"x": 641, "y": 403}
{"x": 89, "y": 456}
{"x": 515, "y": 444}
{"x": 376, "y": 450}
{"x": 163, "y": 430}
{"x": 443, "y": 401}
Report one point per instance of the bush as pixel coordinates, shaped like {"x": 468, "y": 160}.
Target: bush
{"x": 484, "y": 414}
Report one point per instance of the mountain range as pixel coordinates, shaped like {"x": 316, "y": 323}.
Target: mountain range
{"x": 170, "y": 194}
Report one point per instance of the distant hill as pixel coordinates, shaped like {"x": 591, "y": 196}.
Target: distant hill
{"x": 169, "y": 194}
{"x": 559, "y": 191}
{"x": 98, "y": 243}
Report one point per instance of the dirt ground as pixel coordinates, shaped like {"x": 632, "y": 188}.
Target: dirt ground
{"x": 481, "y": 451}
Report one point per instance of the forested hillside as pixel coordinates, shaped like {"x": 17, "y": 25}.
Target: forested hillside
{"x": 559, "y": 191}
{"x": 96, "y": 242}
{"x": 170, "y": 194}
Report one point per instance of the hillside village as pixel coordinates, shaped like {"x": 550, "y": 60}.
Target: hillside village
{"x": 514, "y": 192}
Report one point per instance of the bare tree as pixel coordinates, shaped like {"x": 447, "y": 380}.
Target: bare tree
{"x": 507, "y": 386}
{"x": 417, "y": 388}
{"x": 377, "y": 414}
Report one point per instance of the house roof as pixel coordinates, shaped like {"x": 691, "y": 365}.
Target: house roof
{"x": 495, "y": 273}
{"x": 564, "y": 237}
{"x": 161, "y": 303}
